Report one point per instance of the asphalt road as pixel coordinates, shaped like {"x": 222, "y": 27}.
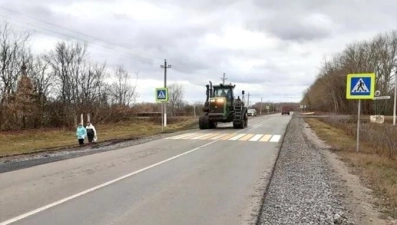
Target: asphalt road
{"x": 202, "y": 177}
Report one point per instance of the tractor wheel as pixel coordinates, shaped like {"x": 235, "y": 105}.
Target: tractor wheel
{"x": 245, "y": 121}
{"x": 213, "y": 124}
{"x": 204, "y": 122}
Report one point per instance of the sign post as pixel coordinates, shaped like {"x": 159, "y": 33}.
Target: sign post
{"x": 162, "y": 97}
{"x": 267, "y": 107}
{"x": 395, "y": 96}
{"x": 359, "y": 87}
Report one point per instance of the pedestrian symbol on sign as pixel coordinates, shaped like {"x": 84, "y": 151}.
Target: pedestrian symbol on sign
{"x": 161, "y": 94}
{"x": 360, "y": 87}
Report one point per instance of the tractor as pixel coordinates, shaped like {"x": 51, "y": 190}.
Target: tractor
{"x": 221, "y": 106}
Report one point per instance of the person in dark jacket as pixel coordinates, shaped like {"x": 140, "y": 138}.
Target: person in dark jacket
{"x": 91, "y": 132}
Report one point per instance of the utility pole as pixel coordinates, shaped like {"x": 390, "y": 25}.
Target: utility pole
{"x": 223, "y": 78}
{"x": 165, "y": 66}
{"x": 261, "y": 106}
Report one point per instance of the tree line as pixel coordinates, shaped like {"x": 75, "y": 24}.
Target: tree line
{"x": 377, "y": 55}
{"x": 53, "y": 88}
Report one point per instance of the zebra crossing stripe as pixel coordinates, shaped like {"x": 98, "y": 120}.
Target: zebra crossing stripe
{"x": 265, "y": 137}
{"x": 182, "y": 136}
{"x": 228, "y": 136}
{"x": 236, "y": 137}
{"x": 218, "y": 136}
{"x": 201, "y": 136}
{"x": 246, "y": 137}
{"x": 208, "y": 136}
{"x": 275, "y": 138}
{"x": 256, "y": 137}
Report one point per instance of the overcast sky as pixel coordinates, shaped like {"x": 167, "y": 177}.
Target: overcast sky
{"x": 270, "y": 48}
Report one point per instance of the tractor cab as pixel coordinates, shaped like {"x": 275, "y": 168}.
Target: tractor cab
{"x": 223, "y": 93}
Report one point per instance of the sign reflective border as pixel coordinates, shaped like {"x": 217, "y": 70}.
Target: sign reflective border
{"x": 360, "y": 86}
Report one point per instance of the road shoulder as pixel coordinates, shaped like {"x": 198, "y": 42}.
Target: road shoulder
{"x": 357, "y": 198}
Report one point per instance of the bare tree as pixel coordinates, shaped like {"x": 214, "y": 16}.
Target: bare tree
{"x": 175, "y": 97}
{"x": 13, "y": 51}
{"x": 123, "y": 92}
{"x": 66, "y": 63}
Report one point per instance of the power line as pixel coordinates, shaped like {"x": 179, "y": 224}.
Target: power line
{"x": 53, "y": 24}
{"x": 77, "y": 38}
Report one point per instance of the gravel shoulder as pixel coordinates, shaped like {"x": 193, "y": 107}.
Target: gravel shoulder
{"x": 310, "y": 185}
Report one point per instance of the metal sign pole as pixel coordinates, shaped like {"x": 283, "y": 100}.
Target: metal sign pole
{"x": 395, "y": 93}
{"x": 162, "y": 117}
{"x": 358, "y": 125}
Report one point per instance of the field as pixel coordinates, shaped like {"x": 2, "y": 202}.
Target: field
{"x": 375, "y": 163}
{"x": 29, "y": 141}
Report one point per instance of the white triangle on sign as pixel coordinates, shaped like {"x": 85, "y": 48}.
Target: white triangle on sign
{"x": 360, "y": 87}
{"x": 161, "y": 94}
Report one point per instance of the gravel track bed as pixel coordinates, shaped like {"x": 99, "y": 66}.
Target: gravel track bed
{"x": 302, "y": 190}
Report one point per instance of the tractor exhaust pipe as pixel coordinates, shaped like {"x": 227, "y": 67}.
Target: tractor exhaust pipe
{"x": 207, "y": 92}
{"x": 211, "y": 94}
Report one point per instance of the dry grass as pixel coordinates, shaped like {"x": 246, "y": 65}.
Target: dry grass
{"x": 377, "y": 171}
{"x": 28, "y": 141}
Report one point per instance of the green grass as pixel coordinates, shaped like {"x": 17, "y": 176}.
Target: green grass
{"x": 29, "y": 141}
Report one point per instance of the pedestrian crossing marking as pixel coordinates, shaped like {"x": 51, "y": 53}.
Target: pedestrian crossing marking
{"x": 275, "y": 138}
{"x": 208, "y": 136}
{"x": 218, "y": 136}
{"x": 236, "y": 137}
{"x": 265, "y": 138}
{"x": 256, "y": 137}
{"x": 246, "y": 137}
{"x": 183, "y": 136}
{"x": 201, "y": 136}
{"x": 229, "y": 137}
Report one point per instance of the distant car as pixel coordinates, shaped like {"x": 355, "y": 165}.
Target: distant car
{"x": 251, "y": 112}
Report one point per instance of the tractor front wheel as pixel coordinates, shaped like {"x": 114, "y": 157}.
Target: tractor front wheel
{"x": 213, "y": 124}
{"x": 204, "y": 122}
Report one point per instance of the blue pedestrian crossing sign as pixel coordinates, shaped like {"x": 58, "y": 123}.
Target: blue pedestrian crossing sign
{"x": 161, "y": 94}
{"x": 360, "y": 86}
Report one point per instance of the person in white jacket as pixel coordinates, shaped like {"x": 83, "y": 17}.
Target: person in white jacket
{"x": 91, "y": 132}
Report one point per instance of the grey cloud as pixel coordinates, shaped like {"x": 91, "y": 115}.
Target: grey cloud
{"x": 298, "y": 24}
{"x": 290, "y": 20}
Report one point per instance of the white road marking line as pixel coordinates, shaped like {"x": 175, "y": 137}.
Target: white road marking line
{"x": 275, "y": 138}
{"x": 236, "y": 137}
{"x": 38, "y": 210}
{"x": 256, "y": 137}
